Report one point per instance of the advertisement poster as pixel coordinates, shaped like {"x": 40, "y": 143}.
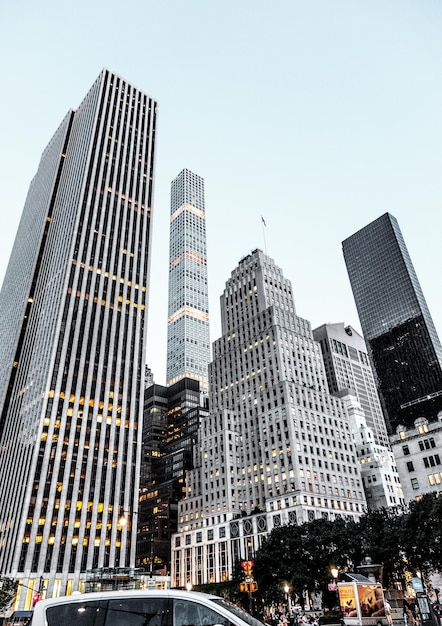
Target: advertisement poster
{"x": 371, "y": 601}
{"x": 347, "y": 601}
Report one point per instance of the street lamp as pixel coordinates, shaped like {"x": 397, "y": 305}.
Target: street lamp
{"x": 287, "y": 598}
{"x": 334, "y": 571}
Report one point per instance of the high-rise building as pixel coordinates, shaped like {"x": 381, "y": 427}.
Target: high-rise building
{"x": 188, "y": 339}
{"x": 276, "y": 447}
{"x": 73, "y": 329}
{"x": 347, "y": 366}
{"x": 401, "y": 338}
{"x": 172, "y": 417}
{"x": 350, "y": 377}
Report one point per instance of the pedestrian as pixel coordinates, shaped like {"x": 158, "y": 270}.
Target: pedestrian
{"x": 387, "y": 607}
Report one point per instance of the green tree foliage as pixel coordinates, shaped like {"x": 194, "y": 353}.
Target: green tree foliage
{"x": 380, "y": 534}
{"x": 8, "y": 588}
{"x": 421, "y": 535}
{"x": 409, "y": 539}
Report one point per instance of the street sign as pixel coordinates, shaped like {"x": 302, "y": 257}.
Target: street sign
{"x": 417, "y": 585}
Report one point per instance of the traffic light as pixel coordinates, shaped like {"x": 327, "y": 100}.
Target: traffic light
{"x": 248, "y": 587}
{"x": 247, "y": 567}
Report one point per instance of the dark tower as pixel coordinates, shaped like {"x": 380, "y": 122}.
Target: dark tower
{"x": 396, "y": 323}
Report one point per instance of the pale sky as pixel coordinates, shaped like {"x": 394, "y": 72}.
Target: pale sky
{"x": 319, "y": 115}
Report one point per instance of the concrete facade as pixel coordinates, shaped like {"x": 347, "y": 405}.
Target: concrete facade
{"x": 276, "y": 447}
{"x": 188, "y": 336}
{"x": 417, "y": 451}
{"x": 73, "y": 323}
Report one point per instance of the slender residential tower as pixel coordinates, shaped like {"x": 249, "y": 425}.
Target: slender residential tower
{"x": 401, "y": 338}
{"x": 276, "y": 447}
{"x": 73, "y": 330}
{"x": 188, "y": 339}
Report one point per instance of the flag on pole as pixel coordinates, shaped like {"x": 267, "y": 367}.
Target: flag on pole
{"x": 263, "y": 221}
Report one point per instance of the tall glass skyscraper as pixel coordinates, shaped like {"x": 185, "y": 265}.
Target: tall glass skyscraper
{"x": 188, "y": 336}
{"x": 73, "y": 329}
{"x": 396, "y": 323}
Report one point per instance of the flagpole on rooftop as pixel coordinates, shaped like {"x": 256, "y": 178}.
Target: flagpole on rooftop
{"x": 263, "y": 224}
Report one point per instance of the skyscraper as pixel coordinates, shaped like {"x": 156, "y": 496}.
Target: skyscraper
{"x": 350, "y": 377}
{"x": 276, "y": 447}
{"x": 172, "y": 417}
{"x": 73, "y": 329}
{"x": 188, "y": 339}
{"x": 401, "y": 338}
{"x": 347, "y": 366}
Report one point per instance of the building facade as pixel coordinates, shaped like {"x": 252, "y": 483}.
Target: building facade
{"x": 172, "y": 417}
{"x": 402, "y": 342}
{"x": 73, "y": 328}
{"x": 347, "y": 366}
{"x": 276, "y": 446}
{"x": 188, "y": 338}
{"x": 379, "y": 471}
{"x": 417, "y": 451}
{"x": 349, "y": 375}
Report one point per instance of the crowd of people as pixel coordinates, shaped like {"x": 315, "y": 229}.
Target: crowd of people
{"x": 292, "y": 618}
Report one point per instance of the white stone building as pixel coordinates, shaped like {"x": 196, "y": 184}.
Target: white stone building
{"x": 418, "y": 456}
{"x": 380, "y": 476}
{"x": 276, "y": 447}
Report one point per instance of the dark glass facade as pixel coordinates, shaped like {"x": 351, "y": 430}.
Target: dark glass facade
{"x": 171, "y": 420}
{"x": 396, "y": 323}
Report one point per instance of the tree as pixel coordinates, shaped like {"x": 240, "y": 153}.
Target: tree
{"x": 408, "y": 539}
{"x": 8, "y": 588}
{"x": 380, "y": 533}
{"x": 301, "y": 556}
{"x": 421, "y": 535}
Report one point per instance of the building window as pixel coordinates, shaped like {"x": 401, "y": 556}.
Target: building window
{"x": 415, "y": 483}
{"x": 188, "y": 540}
{"x": 435, "y": 479}
{"x": 410, "y": 466}
{"x": 431, "y": 461}
{"x": 210, "y": 534}
{"x": 177, "y": 542}
{"x": 199, "y": 537}
{"x": 406, "y": 450}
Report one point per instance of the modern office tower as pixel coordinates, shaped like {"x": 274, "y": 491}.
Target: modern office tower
{"x": 276, "y": 446}
{"x": 73, "y": 330}
{"x": 347, "y": 366}
{"x": 188, "y": 340}
{"x": 172, "y": 417}
{"x": 402, "y": 342}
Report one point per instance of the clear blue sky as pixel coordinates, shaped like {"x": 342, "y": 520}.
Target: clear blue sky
{"x": 319, "y": 115}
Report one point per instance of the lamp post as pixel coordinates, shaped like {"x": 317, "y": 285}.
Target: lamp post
{"x": 287, "y": 598}
{"x": 334, "y": 571}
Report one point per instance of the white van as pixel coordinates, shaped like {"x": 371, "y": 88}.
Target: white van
{"x": 140, "y": 608}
